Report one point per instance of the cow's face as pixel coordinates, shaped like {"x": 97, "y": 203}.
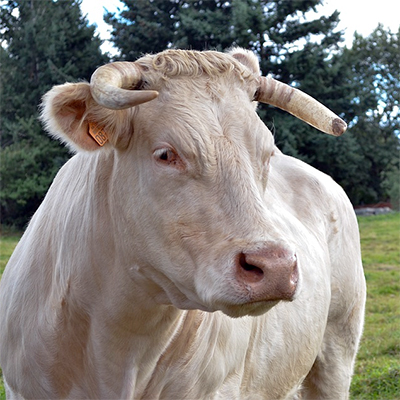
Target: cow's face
{"x": 208, "y": 239}
{"x": 193, "y": 199}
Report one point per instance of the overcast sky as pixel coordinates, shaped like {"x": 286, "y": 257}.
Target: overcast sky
{"x": 362, "y": 16}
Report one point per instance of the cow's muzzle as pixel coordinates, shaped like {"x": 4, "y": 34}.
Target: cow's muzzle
{"x": 268, "y": 274}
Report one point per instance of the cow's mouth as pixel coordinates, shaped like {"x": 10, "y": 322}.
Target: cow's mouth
{"x": 252, "y": 308}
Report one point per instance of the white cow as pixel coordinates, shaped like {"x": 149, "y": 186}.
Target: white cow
{"x": 179, "y": 254}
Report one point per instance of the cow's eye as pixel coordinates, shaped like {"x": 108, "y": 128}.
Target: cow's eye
{"x": 168, "y": 156}
{"x": 164, "y": 155}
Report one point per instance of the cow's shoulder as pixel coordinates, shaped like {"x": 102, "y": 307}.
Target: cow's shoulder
{"x": 307, "y": 192}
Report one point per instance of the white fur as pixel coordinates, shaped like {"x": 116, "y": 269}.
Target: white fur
{"x": 123, "y": 286}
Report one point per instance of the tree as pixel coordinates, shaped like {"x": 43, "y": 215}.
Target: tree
{"x": 143, "y": 27}
{"x": 360, "y": 84}
{"x": 269, "y": 27}
{"x": 43, "y": 43}
{"x": 219, "y": 25}
{"x": 375, "y": 122}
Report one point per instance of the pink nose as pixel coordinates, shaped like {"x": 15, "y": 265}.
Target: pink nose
{"x": 268, "y": 274}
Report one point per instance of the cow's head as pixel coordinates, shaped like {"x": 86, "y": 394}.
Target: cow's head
{"x": 193, "y": 162}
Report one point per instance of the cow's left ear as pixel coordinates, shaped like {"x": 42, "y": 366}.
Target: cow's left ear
{"x": 247, "y": 58}
{"x": 71, "y": 115}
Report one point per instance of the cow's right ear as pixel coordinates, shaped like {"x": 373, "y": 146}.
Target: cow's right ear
{"x": 247, "y": 58}
{"x": 69, "y": 110}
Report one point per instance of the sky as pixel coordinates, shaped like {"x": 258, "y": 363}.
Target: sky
{"x": 362, "y": 16}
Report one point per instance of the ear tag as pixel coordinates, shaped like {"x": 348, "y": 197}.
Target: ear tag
{"x": 98, "y": 134}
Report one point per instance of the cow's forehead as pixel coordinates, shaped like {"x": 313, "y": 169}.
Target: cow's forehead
{"x": 201, "y": 129}
{"x": 189, "y": 109}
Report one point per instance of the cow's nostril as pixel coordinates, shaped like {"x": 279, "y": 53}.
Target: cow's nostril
{"x": 270, "y": 274}
{"x": 251, "y": 270}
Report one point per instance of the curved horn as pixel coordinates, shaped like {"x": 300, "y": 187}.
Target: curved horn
{"x": 300, "y": 104}
{"x": 112, "y": 86}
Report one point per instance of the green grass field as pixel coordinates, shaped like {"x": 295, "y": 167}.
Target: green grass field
{"x": 377, "y": 370}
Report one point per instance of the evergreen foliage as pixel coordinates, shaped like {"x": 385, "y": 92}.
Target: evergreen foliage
{"x": 44, "y": 43}
{"x": 375, "y": 119}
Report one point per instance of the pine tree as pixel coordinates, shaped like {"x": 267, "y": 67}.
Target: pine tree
{"x": 269, "y": 27}
{"x": 375, "y": 123}
{"x": 144, "y": 27}
{"x": 44, "y": 43}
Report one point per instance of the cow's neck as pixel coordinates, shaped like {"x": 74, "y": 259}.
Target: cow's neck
{"x": 130, "y": 333}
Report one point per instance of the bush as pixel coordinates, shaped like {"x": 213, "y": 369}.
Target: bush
{"x": 391, "y": 183}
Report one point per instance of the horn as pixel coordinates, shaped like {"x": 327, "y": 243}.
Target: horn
{"x": 112, "y": 86}
{"x": 299, "y": 104}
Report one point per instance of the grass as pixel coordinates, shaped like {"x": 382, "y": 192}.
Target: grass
{"x": 7, "y": 245}
{"x": 377, "y": 370}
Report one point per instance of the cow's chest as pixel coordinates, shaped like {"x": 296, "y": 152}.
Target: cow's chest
{"x": 218, "y": 357}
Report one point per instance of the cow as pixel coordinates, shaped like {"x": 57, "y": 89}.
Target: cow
{"x": 179, "y": 254}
